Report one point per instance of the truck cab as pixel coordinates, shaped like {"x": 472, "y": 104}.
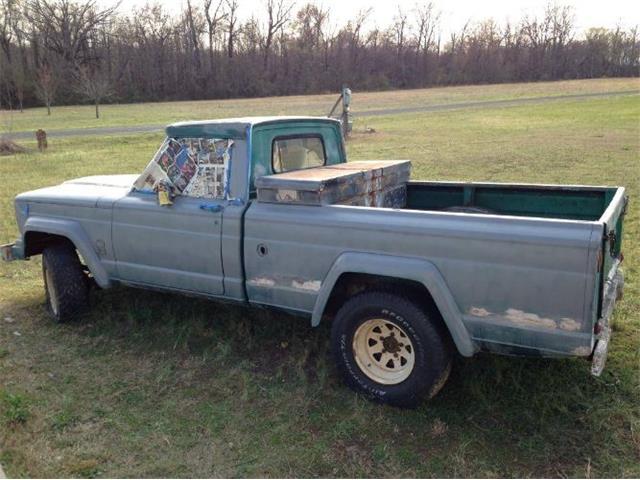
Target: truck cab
{"x": 188, "y": 245}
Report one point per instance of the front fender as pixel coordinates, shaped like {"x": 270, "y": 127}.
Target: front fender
{"x": 76, "y": 234}
{"x": 415, "y": 269}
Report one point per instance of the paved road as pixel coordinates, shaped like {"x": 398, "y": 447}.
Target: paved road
{"x": 83, "y": 132}
{"x": 490, "y": 103}
{"x": 123, "y": 130}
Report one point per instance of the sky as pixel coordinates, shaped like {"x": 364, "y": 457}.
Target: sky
{"x": 455, "y": 13}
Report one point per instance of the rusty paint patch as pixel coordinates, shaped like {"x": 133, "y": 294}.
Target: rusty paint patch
{"x": 479, "y": 312}
{"x": 520, "y": 317}
{"x": 569, "y": 324}
{"x": 310, "y": 285}
{"x": 523, "y": 318}
{"x": 296, "y": 283}
{"x": 261, "y": 282}
{"x": 583, "y": 351}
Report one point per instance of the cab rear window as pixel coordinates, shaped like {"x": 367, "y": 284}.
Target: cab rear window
{"x": 297, "y": 153}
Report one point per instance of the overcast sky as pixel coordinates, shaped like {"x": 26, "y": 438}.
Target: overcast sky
{"x": 455, "y": 13}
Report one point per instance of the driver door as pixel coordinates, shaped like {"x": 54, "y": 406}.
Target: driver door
{"x": 177, "y": 246}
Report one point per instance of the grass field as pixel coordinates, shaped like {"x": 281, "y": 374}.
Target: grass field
{"x": 152, "y": 384}
{"x": 163, "y": 113}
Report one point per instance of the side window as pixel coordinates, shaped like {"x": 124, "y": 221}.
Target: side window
{"x": 194, "y": 167}
{"x": 296, "y": 153}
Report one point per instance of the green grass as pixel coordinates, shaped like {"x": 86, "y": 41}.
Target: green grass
{"x": 153, "y": 384}
{"x": 14, "y": 407}
{"x": 162, "y": 113}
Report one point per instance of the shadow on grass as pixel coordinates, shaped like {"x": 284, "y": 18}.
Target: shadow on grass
{"x": 534, "y": 388}
{"x": 254, "y": 374}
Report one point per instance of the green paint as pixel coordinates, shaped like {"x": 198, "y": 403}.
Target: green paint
{"x": 552, "y": 202}
{"x": 265, "y": 132}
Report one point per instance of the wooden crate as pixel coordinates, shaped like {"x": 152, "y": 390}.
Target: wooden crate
{"x": 367, "y": 183}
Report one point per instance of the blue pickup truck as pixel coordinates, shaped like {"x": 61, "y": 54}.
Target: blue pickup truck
{"x": 517, "y": 269}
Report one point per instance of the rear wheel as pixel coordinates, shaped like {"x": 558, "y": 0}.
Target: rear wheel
{"x": 390, "y": 349}
{"x": 65, "y": 283}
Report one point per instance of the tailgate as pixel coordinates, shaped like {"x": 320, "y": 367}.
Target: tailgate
{"x": 613, "y": 219}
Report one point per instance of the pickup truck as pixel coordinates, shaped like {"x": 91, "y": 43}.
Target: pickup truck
{"x": 517, "y": 269}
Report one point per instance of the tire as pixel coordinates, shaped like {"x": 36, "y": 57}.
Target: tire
{"x": 420, "y": 375}
{"x": 66, "y": 285}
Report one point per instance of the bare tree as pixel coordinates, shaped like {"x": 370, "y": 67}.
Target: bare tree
{"x": 152, "y": 29}
{"x": 19, "y": 77}
{"x": 9, "y": 9}
{"x": 20, "y": 65}
{"x": 47, "y": 86}
{"x": 428, "y": 20}
{"x": 195, "y": 27}
{"x": 213, "y": 21}
{"x": 278, "y": 14}
{"x": 355, "y": 29}
{"x": 427, "y": 23}
{"x": 399, "y": 29}
{"x": 232, "y": 5}
{"x": 66, "y": 25}
{"x": 561, "y": 20}
{"x": 151, "y": 54}
{"x": 94, "y": 85}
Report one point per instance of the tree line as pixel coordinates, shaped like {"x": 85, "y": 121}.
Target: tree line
{"x": 71, "y": 51}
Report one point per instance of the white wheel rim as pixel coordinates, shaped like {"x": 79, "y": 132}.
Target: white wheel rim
{"x": 51, "y": 290}
{"x": 383, "y": 351}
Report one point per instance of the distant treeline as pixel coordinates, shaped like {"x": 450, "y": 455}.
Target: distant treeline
{"x": 65, "y": 51}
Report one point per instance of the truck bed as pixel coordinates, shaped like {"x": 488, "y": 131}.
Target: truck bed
{"x": 530, "y": 275}
{"x": 547, "y": 201}
{"x": 601, "y": 206}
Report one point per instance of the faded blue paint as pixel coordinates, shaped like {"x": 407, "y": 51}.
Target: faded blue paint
{"x": 503, "y": 283}
{"x": 75, "y": 232}
{"x": 405, "y": 268}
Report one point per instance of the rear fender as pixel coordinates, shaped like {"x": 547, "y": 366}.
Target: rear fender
{"x": 75, "y": 233}
{"x": 415, "y": 269}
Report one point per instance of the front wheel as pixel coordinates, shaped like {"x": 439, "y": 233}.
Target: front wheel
{"x": 390, "y": 349}
{"x": 65, "y": 284}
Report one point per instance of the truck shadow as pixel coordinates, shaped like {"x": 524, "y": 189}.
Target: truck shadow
{"x": 271, "y": 343}
{"x": 247, "y": 370}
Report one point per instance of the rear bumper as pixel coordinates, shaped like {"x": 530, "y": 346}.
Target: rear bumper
{"x": 614, "y": 287}
{"x": 12, "y": 251}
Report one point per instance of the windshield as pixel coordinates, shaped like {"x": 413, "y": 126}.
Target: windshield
{"x": 195, "y": 167}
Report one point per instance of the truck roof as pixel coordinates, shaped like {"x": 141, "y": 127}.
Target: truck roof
{"x": 233, "y": 127}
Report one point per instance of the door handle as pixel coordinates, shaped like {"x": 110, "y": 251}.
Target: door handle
{"x": 213, "y": 208}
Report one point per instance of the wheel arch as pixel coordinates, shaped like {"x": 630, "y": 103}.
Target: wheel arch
{"x": 41, "y": 232}
{"x": 418, "y": 278}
